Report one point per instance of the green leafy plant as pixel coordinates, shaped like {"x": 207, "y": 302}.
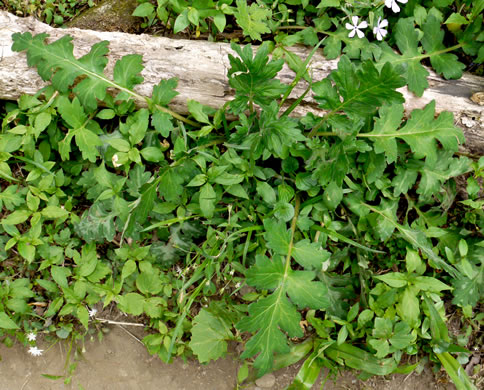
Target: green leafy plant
{"x": 273, "y": 231}
{"x": 55, "y": 12}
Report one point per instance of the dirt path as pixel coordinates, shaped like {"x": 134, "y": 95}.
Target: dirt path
{"x": 120, "y": 362}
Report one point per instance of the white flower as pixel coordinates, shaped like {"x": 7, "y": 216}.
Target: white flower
{"x": 115, "y": 159}
{"x": 355, "y": 27}
{"x": 92, "y": 312}
{"x": 31, "y": 336}
{"x": 393, "y": 4}
{"x": 34, "y": 351}
{"x": 379, "y": 30}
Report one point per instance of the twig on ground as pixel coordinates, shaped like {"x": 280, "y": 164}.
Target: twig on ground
{"x": 111, "y": 322}
{"x": 132, "y": 335}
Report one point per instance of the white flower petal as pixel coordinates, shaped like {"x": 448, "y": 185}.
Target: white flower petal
{"x": 383, "y": 32}
{"x": 395, "y": 7}
{"x": 384, "y": 23}
{"x": 31, "y": 336}
{"x": 363, "y": 24}
{"x": 360, "y": 34}
{"x": 349, "y": 26}
{"x": 34, "y": 351}
{"x": 354, "y": 20}
{"x": 388, "y": 3}
{"x": 114, "y": 160}
{"x": 352, "y": 33}
{"x": 403, "y": 1}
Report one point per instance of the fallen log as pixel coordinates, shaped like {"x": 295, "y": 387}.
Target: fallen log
{"x": 201, "y": 68}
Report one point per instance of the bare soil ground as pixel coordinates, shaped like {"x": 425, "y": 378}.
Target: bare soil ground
{"x": 121, "y": 362}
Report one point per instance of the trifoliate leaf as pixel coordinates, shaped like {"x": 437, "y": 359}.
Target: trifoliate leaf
{"x": 253, "y": 19}
{"x": 71, "y": 112}
{"x": 87, "y": 141}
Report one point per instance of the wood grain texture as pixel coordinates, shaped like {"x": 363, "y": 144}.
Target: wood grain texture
{"x": 201, "y": 68}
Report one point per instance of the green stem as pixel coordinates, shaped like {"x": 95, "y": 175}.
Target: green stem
{"x": 424, "y": 56}
{"x": 287, "y": 266}
{"x": 300, "y": 73}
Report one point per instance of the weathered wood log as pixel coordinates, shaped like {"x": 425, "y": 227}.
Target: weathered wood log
{"x": 201, "y": 68}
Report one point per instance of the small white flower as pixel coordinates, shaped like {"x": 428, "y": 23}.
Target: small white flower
{"x": 92, "y": 312}
{"x": 393, "y": 4}
{"x": 355, "y": 27}
{"x": 379, "y": 30}
{"x": 115, "y": 159}
{"x": 34, "y": 351}
{"x": 31, "y": 336}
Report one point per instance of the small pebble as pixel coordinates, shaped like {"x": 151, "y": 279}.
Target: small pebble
{"x": 266, "y": 381}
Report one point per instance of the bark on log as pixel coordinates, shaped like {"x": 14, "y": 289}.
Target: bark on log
{"x": 201, "y": 68}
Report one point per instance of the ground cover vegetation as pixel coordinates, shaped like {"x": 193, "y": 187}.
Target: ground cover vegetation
{"x": 339, "y": 239}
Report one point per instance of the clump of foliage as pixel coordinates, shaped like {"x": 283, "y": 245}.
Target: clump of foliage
{"x": 330, "y": 238}
{"x": 55, "y": 12}
{"x": 300, "y": 21}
